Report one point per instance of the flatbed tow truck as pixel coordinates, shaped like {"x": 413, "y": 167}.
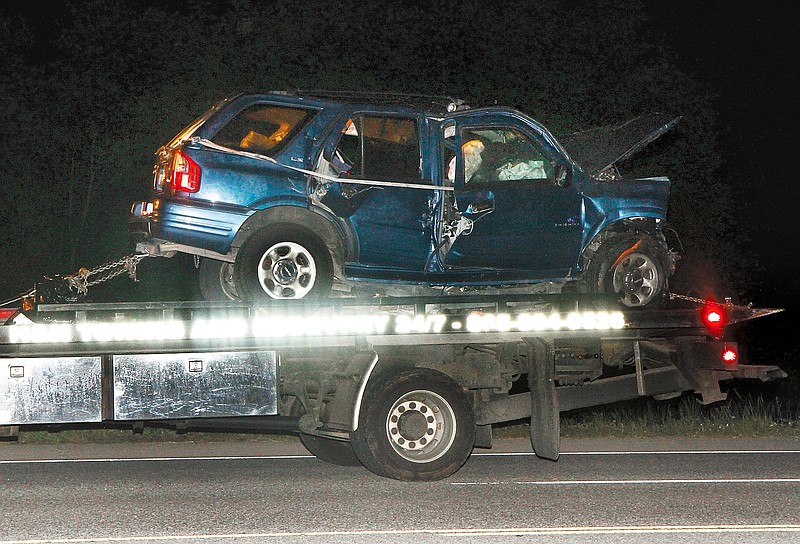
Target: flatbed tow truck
{"x": 404, "y": 386}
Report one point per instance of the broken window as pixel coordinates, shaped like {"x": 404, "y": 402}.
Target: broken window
{"x": 262, "y": 128}
{"x": 379, "y": 147}
{"x": 496, "y": 154}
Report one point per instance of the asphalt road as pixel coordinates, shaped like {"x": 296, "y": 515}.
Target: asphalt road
{"x": 247, "y": 492}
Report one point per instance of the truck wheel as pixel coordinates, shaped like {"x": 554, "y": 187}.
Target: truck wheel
{"x": 337, "y": 452}
{"x": 283, "y": 262}
{"x": 415, "y": 425}
{"x": 216, "y": 280}
{"x": 634, "y": 269}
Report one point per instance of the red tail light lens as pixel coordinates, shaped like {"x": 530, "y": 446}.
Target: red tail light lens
{"x": 185, "y": 173}
{"x": 714, "y": 317}
{"x": 7, "y": 313}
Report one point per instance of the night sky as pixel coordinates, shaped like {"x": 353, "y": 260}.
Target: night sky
{"x": 744, "y": 55}
{"x": 747, "y": 53}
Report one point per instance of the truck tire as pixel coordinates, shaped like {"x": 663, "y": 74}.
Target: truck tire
{"x": 216, "y": 280}
{"x": 632, "y": 268}
{"x": 415, "y": 425}
{"x": 283, "y": 262}
{"x": 336, "y": 452}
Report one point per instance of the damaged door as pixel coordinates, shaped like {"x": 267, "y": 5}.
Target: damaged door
{"x": 380, "y": 190}
{"x": 518, "y": 208}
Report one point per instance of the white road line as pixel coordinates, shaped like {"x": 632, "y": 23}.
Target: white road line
{"x": 308, "y": 456}
{"x": 514, "y": 531}
{"x": 643, "y": 482}
{"x": 643, "y": 452}
{"x": 150, "y": 459}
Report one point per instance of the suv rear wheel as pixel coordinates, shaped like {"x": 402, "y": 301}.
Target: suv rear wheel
{"x": 283, "y": 262}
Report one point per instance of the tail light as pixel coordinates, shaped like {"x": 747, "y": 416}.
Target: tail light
{"x": 714, "y": 317}
{"x": 7, "y": 313}
{"x": 730, "y": 355}
{"x": 185, "y": 175}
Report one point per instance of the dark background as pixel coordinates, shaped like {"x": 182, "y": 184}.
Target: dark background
{"x": 746, "y": 55}
{"x": 89, "y": 90}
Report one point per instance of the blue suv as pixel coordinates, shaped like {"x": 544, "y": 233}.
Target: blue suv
{"x": 313, "y": 194}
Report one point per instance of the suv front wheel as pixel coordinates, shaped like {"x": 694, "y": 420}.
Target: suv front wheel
{"x": 283, "y": 262}
{"x": 633, "y": 268}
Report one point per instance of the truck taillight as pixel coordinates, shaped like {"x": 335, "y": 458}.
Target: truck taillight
{"x": 185, "y": 175}
{"x": 714, "y": 317}
{"x": 730, "y": 355}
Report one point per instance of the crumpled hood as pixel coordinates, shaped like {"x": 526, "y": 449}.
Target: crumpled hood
{"x": 597, "y": 150}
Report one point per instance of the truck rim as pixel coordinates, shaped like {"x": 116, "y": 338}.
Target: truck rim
{"x": 421, "y": 426}
{"x": 226, "y": 281}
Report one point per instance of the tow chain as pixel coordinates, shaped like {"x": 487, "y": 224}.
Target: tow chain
{"x": 695, "y": 300}
{"x": 72, "y": 287}
{"x": 80, "y": 281}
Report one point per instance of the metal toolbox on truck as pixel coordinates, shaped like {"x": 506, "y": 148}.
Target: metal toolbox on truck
{"x": 194, "y": 385}
{"x": 50, "y": 390}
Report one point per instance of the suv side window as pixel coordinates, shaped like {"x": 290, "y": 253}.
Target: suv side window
{"x": 498, "y": 154}
{"x": 262, "y": 128}
{"x": 379, "y": 147}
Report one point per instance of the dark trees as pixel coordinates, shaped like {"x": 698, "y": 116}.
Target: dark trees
{"x": 79, "y": 126}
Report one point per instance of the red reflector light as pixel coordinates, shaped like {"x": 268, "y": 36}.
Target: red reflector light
{"x": 185, "y": 173}
{"x": 729, "y": 355}
{"x": 714, "y": 317}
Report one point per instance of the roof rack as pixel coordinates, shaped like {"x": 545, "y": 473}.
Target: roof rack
{"x": 439, "y": 104}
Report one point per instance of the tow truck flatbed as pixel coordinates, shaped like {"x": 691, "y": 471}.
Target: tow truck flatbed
{"x": 405, "y": 386}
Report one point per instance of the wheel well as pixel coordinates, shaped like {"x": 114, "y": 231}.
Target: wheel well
{"x": 625, "y": 227}
{"x": 316, "y": 224}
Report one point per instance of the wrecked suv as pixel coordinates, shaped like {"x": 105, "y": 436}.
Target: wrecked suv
{"x": 296, "y": 195}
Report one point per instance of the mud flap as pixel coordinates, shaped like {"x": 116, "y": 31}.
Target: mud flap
{"x": 345, "y": 407}
{"x": 545, "y": 427}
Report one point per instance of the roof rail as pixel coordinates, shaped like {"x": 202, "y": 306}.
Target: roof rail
{"x": 442, "y": 104}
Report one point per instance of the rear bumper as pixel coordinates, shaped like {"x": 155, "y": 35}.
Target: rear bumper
{"x": 163, "y": 248}
{"x": 198, "y": 228}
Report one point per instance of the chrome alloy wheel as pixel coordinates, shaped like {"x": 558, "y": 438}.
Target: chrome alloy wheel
{"x": 636, "y": 279}
{"x": 421, "y": 426}
{"x": 287, "y": 270}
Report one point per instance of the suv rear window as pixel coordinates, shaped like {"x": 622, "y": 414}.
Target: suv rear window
{"x": 262, "y": 128}
{"x": 381, "y": 147}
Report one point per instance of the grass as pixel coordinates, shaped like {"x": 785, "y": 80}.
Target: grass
{"x": 684, "y": 417}
{"x": 147, "y": 435}
{"x": 755, "y": 418}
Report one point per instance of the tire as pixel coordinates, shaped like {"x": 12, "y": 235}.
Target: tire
{"x": 216, "y": 280}
{"x": 337, "y": 452}
{"x": 635, "y": 269}
{"x": 415, "y": 425}
{"x": 283, "y": 262}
